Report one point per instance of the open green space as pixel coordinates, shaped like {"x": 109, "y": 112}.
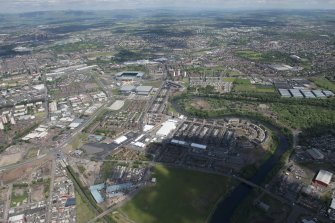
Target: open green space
{"x": 324, "y": 83}
{"x": 19, "y": 194}
{"x": 266, "y": 57}
{"x": 155, "y": 83}
{"x": 293, "y": 113}
{"x": 181, "y": 196}
{"x": 244, "y": 85}
{"x": 83, "y": 212}
{"x": 31, "y": 153}
{"x": 250, "y": 55}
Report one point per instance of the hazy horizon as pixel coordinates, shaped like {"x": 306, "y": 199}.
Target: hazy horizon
{"x": 19, "y": 6}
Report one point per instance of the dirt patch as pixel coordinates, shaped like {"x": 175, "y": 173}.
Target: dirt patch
{"x": 200, "y": 104}
{"x": 14, "y": 174}
{"x": 10, "y": 159}
{"x": 37, "y": 193}
{"x": 19, "y": 192}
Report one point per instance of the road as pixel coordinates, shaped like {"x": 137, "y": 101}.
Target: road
{"x": 7, "y": 204}
{"x": 49, "y": 201}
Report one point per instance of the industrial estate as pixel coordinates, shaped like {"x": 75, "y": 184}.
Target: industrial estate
{"x": 167, "y": 116}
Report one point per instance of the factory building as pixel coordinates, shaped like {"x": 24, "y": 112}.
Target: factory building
{"x": 318, "y": 94}
{"x": 315, "y": 154}
{"x": 328, "y": 93}
{"x": 118, "y": 187}
{"x": 307, "y": 93}
{"x": 296, "y": 93}
{"x": 284, "y": 93}
{"x": 323, "y": 178}
{"x": 95, "y": 191}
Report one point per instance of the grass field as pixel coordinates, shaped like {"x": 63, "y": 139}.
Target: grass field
{"x": 19, "y": 195}
{"x": 155, "y": 84}
{"x": 181, "y": 196}
{"x": 32, "y": 153}
{"x": 250, "y": 55}
{"x": 244, "y": 85}
{"x": 228, "y": 79}
{"x": 83, "y": 212}
{"x": 324, "y": 83}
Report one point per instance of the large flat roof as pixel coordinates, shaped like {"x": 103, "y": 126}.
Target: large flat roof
{"x": 144, "y": 88}
{"x": 127, "y": 88}
{"x": 324, "y": 176}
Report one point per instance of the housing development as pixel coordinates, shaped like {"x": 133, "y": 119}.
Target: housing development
{"x": 167, "y": 116}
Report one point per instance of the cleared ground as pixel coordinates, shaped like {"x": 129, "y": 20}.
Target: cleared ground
{"x": 10, "y": 159}
{"x": 179, "y": 196}
{"x": 117, "y": 105}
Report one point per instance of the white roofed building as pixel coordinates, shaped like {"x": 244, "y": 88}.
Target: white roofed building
{"x": 323, "y": 178}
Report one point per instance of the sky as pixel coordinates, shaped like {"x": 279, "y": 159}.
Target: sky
{"x": 13, "y": 6}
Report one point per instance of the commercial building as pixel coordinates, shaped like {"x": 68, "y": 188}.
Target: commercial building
{"x": 323, "y": 178}
{"x": 167, "y": 127}
{"x": 127, "y": 89}
{"x": 17, "y": 219}
{"x": 143, "y": 90}
{"x": 120, "y": 140}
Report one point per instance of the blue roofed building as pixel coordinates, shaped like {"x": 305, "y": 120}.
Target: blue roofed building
{"x": 95, "y": 191}
{"x": 70, "y": 202}
{"x": 97, "y": 187}
{"x": 97, "y": 196}
{"x": 118, "y": 187}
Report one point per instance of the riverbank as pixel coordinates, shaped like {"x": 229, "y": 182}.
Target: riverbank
{"x": 227, "y": 206}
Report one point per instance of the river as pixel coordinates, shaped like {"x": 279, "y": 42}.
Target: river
{"x": 227, "y": 206}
